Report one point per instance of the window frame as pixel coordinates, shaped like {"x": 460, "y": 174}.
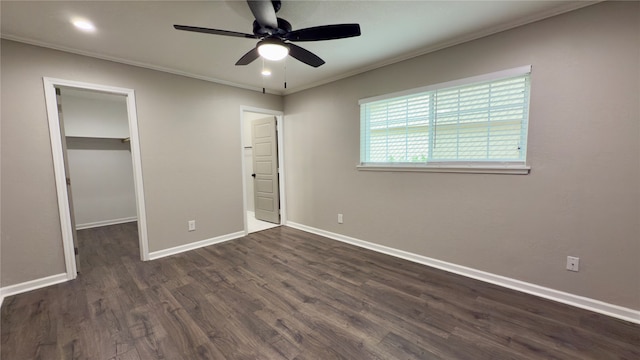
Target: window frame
{"x": 481, "y": 166}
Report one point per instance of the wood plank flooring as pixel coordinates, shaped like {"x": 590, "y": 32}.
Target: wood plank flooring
{"x": 286, "y": 294}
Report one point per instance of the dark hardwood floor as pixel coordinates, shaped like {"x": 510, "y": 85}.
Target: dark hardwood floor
{"x": 287, "y": 294}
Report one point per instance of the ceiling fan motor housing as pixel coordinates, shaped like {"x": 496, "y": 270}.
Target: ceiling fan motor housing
{"x": 284, "y": 27}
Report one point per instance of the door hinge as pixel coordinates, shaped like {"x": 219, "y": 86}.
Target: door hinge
{"x": 75, "y": 250}
{"x": 68, "y": 181}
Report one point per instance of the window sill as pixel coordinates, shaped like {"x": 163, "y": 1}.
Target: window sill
{"x": 509, "y": 169}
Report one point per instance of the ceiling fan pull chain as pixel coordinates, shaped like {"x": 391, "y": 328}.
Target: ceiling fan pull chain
{"x": 263, "y": 87}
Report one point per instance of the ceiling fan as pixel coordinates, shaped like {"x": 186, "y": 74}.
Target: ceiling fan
{"x": 275, "y": 35}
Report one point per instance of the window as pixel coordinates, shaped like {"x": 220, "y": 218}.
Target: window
{"x": 477, "y": 124}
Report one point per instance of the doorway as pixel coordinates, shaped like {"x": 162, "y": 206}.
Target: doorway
{"x": 77, "y": 144}
{"x": 262, "y": 160}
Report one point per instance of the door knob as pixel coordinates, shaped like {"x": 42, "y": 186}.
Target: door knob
{"x": 254, "y": 175}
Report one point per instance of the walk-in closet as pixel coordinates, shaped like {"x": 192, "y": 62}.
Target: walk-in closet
{"x": 98, "y": 161}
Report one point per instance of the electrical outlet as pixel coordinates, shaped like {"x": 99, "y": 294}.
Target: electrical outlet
{"x": 339, "y": 218}
{"x": 573, "y": 263}
{"x": 192, "y": 225}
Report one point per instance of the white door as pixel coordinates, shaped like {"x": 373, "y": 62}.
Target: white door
{"x": 265, "y": 170}
{"x": 66, "y": 171}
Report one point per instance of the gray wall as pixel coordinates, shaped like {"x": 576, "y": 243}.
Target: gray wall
{"x": 93, "y": 114}
{"x": 100, "y": 165}
{"x": 190, "y": 148}
{"x": 102, "y": 183}
{"x": 582, "y": 197}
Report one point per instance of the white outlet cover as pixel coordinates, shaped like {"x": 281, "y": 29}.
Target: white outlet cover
{"x": 573, "y": 263}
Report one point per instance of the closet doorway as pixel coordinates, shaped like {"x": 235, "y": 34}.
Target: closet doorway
{"x": 263, "y": 178}
{"x": 94, "y": 141}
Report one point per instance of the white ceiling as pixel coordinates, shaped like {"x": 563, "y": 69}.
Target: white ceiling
{"x": 141, "y": 33}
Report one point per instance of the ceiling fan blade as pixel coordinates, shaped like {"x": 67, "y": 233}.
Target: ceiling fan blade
{"x": 214, "y": 31}
{"x": 249, "y": 57}
{"x": 326, "y": 32}
{"x": 264, "y": 13}
{"x": 304, "y": 55}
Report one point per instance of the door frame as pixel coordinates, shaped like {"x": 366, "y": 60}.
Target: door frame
{"x": 59, "y": 171}
{"x": 281, "y": 174}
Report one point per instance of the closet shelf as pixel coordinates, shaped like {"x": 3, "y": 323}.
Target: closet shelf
{"x": 127, "y": 139}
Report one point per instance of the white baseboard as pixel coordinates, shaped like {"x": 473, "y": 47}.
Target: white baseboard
{"x": 182, "y": 248}
{"x": 31, "y": 285}
{"x": 105, "y": 223}
{"x": 529, "y": 288}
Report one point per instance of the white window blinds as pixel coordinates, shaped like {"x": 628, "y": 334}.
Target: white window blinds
{"x": 477, "y": 120}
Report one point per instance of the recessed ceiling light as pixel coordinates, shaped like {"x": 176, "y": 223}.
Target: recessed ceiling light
{"x": 84, "y": 25}
{"x": 266, "y": 72}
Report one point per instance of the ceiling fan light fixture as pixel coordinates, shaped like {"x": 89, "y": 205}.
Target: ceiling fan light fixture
{"x": 273, "y": 49}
